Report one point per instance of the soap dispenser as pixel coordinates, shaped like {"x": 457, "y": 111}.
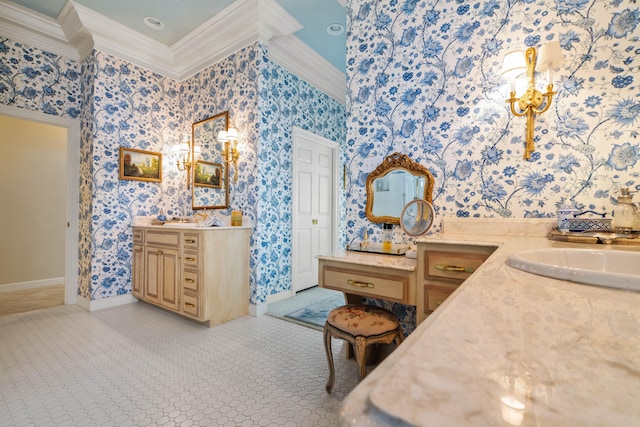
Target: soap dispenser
{"x": 624, "y": 215}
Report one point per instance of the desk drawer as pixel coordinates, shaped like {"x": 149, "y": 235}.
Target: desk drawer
{"x": 192, "y": 260}
{"x": 436, "y": 294}
{"x": 191, "y": 280}
{"x": 191, "y": 305}
{"x": 138, "y": 235}
{"x": 191, "y": 241}
{"x": 352, "y": 281}
{"x": 163, "y": 238}
{"x": 451, "y": 265}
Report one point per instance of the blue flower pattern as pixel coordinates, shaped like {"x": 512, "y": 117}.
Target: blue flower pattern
{"x": 121, "y": 104}
{"x": 459, "y": 126}
{"x": 422, "y": 78}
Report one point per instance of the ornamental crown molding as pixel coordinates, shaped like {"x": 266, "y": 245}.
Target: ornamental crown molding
{"x": 78, "y": 30}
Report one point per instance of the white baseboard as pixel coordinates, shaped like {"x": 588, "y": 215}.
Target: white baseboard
{"x": 260, "y": 309}
{"x": 256, "y": 310}
{"x": 100, "y": 304}
{"x": 280, "y": 296}
{"x": 32, "y": 284}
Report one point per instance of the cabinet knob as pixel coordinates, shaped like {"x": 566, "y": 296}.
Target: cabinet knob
{"x": 189, "y": 241}
{"x": 358, "y": 284}
{"x": 190, "y": 258}
{"x": 188, "y": 304}
{"x": 189, "y": 280}
{"x": 158, "y": 253}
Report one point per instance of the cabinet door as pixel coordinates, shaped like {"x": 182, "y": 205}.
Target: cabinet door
{"x": 137, "y": 280}
{"x": 152, "y": 273}
{"x": 162, "y": 275}
{"x": 170, "y": 278}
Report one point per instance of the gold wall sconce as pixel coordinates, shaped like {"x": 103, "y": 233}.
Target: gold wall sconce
{"x": 185, "y": 161}
{"x": 230, "y": 154}
{"x": 532, "y": 102}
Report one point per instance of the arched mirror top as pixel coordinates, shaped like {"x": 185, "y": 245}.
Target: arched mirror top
{"x": 395, "y": 182}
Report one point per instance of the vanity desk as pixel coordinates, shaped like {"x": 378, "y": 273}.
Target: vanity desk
{"x": 425, "y": 282}
{"x": 357, "y": 274}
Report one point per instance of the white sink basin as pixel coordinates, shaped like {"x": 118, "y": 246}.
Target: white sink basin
{"x": 610, "y": 268}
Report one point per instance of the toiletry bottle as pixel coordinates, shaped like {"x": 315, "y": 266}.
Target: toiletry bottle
{"x": 365, "y": 239}
{"x": 624, "y": 215}
{"x": 387, "y": 237}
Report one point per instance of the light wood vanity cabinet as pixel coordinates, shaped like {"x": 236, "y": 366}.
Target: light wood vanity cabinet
{"x": 200, "y": 274}
{"x": 441, "y": 269}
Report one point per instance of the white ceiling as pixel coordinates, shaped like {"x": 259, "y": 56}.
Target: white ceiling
{"x": 196, "y": 33}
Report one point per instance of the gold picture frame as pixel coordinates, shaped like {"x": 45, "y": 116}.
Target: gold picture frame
{"x": 140, "y": 165}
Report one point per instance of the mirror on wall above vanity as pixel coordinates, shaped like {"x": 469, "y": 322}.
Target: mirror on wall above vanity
{"x": 395, "y": 182}
{"x": 210, "y": 189}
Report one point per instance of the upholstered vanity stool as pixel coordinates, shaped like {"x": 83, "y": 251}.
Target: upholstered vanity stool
{"x": 360, "y": 325}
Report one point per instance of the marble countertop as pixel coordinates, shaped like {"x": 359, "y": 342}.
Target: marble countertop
{"x": 146, "y": 222}
{"x": 399, "y": 262}
{"x": 570, "y": 353}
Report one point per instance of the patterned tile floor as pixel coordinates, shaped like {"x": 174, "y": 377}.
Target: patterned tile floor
{"x": 137, "y": 365}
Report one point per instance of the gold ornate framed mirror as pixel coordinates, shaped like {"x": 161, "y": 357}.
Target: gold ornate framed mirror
{"x": 393, "y": 184}
{"x": 210, "y": 189}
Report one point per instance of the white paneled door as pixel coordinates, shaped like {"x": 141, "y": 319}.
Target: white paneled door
{"x": 314, "y": 191}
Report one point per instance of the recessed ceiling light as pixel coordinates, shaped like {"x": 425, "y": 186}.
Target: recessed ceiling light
{"x": 335, "y": 29}
{"x": 154, "y": 23}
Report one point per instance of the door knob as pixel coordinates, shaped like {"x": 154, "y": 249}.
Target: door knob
{"x": 314, "y": 221}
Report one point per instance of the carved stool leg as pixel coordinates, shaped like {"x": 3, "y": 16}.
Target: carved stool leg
{"x": 400, "y": 337}
{"x": 361, "y": 357}
{"x": 327, "y": 349}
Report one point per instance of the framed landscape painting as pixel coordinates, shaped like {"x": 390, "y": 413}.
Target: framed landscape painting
{"x": 140, "y": 165}
{"x": 208, "y": 174}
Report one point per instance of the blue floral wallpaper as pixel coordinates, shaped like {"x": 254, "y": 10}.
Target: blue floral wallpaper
{"x": 39, "y": 81}
{"x": 285, "y": 101}
{"x": 130, "y": 107}
{"x": 424, "y": 79}
{"x": 121, "y": 104}
{"x": 264, "y": 103}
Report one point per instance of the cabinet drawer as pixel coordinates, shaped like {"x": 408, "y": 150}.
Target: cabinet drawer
{"x": 138, "y": 236}
{"x": 435, "y": 295}
{"x": 191, "y": 305}
{"x": 191, "y": 260}
{"x": 191, "y": 280}
{"x": 191, "y": 241}
{"x": 163, "y": 238}
{"x": 451, "y": 265}
{"x": 384, "y": 286}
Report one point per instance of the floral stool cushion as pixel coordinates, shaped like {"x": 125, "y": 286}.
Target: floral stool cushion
{"x": 363, "y": 320}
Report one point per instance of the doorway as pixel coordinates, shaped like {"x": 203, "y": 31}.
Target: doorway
{"x": 315, "y": 202}
{"x": 70, "y": 202}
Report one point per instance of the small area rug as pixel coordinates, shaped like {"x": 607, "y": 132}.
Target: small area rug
{"x": 316, "y": 313}
{"x": 307, "y": 299}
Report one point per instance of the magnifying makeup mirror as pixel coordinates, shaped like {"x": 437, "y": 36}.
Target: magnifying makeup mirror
{"x": 417, "y": 217}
